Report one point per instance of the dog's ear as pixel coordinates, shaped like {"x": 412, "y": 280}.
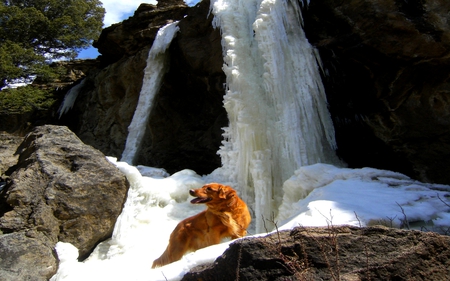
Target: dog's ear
{"x": 231, "y": 197}
{"x": 227, "y": 192}
{"x": 222, "y": 193}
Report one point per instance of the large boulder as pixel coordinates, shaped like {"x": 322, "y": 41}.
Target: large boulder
{"x": 61, "y": 190}
{"x": 333, "y": 253}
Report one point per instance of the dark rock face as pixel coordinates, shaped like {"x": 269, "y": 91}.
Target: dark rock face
{"x": 388, "y": 81}
{"x": 138, "y": 32}
{"x": 184, "y": 130}
{"x": 61, "y": 190}
{"x": 335, "y": 253}
{"x": 106, "y": 103}
{"x": 386, "y": 75}
{"x": 185, "y": 124}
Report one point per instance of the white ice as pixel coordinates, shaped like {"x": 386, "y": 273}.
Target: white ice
{"x": 275, "y": 100}
{"x": 70, "y": 98}
{"x": 153, "y": 74}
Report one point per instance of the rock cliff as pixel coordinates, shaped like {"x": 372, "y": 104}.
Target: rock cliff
{"x": 184, "y": 130}
{"x": 387, "y": 80}
{"x": 385, "y": 70}
{"x": 386, "y": 73}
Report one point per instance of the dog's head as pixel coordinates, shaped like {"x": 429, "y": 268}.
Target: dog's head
{"x": 212, "y": 193}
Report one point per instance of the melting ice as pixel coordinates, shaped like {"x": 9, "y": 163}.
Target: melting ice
{"x": 278, "y": 138}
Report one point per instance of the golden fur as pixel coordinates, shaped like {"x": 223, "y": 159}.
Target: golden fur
{"x": 226, "y": 216}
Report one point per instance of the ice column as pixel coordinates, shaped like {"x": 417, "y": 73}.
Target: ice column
{"x": 275, "y": 100}
{"x": 153, "y": 74}
{"x": 70, "y": 97}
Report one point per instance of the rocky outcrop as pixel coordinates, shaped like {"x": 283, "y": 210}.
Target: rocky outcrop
{"x": 187, "y": 116}
{"x": 334, "y": 253}
{"x": 386, "y": 66}
{"x": 105, "y": 105}
{"x": 186, "y": 121}
{"x": 387, "y": 80}
{"x": 129, "y": 37}
{"x": 385, "y": 71}
{"x": 61, "y": 190}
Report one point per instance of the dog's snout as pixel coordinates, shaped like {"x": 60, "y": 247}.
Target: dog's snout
{"x": 192, "y": 192}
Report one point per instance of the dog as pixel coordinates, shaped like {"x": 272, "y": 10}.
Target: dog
{"x": 226, "y": 216}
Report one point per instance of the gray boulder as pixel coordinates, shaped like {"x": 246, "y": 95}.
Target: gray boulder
{"x": 61, "y": 190}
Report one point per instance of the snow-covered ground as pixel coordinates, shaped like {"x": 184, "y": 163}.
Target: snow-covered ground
{"x": 316, "y": 195}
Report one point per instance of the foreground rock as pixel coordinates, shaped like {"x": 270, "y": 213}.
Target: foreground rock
{"x": 61, "y": 190}
{"x": 335, "y": 253}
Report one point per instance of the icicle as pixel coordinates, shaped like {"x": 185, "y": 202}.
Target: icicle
{"x": 275, "y": 100}
{"x": 153, "y": 74}
{"x": 70, "y": 97}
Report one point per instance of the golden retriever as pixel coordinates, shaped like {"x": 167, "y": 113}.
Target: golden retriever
{"x": 226, "y": 216}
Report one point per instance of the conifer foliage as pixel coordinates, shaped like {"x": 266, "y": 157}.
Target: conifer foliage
{"x": 35, "y": 32}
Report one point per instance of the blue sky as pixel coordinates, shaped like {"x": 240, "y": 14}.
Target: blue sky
{"x": 117, "y": 11}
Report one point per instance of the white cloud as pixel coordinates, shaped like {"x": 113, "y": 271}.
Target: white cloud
{"x": 119, "y": 10}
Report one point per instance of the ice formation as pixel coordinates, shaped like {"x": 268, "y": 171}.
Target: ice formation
{"x": 153, "y": 74}
{"x": 275, "y": 100}
{"x": 70, "y": 97}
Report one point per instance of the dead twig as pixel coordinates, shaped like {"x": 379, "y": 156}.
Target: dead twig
{"x": 404, "y": 221}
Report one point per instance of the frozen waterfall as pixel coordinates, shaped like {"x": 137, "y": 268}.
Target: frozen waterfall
{"x": 279, "y": 132}
{"x": 275, "y": 100}
{"x": 70, "y": 97}
{"x": 153, "y": 74}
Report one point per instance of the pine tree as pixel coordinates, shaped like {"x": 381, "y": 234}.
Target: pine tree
{"x": 35, "y": 32}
